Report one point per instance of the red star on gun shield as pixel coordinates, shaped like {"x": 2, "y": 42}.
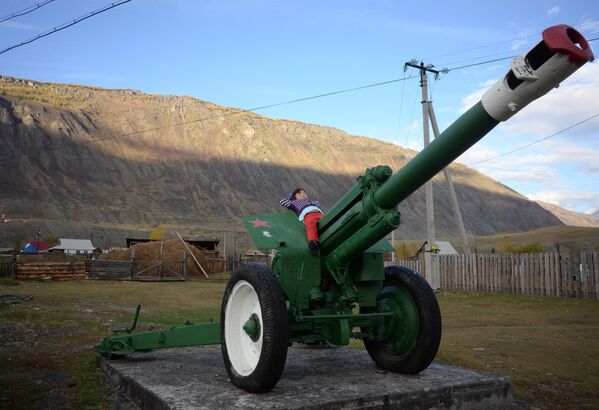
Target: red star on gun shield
{"x": 258, "y": 223}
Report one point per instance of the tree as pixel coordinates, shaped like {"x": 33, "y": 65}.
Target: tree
{"x": 157, "y": 233}
{"x": 525, "y": 248}
{"x": 53, "y": 239}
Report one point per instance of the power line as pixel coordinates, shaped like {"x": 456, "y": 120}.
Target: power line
{"x": 403, "y": 84}
{"x": 498, "y": 59}
{"x": 26, "y": 10}
{"x": 481, "y": 47}
{"x": 501, "y": 54}
{"x": 241, "y": 111}
{"x": 67, "y": 24}
{"x": 498, "y": 43}
{"x": 412, "y": 117}
{"x": 235, "y": 112}
{"x": 536, "y": 142}
{"x": 480, "y": 63}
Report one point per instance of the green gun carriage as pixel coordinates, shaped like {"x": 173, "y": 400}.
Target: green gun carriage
{"x": 346, "y": 291}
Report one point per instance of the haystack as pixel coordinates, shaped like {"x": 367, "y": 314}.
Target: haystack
{"x": 145, "y": 255}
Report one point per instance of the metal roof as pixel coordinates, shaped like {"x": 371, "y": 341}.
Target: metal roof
{"x": 75, "y": 244}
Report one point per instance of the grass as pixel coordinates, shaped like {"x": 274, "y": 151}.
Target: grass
{"x": 569, "y": 239}
{"x": 46, "y": 344}
{"x": 44, "y": 95}
{"x": 547, "y": 345}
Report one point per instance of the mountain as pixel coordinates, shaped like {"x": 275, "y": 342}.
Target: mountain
{"x": 121, "y": 159}
{"x": 570, "y": 217}
{"x": 596, "y": 214}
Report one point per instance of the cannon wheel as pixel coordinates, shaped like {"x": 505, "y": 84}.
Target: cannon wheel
{"x": 254, "y": 328}
{"x": 414, "y": 333}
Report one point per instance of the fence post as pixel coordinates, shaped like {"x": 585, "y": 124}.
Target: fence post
{"x": 595, "y": 265}
{"x": 184, "y": 267}
{"x": 14, "y": 266}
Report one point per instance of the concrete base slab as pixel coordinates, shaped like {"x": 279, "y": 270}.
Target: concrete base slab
{"x": 323, "y": 378}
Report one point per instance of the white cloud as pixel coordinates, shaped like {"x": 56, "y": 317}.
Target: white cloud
{"x": 562, "y": 152}
{"x": 477, "y": 153}
{"x": 20, "y": 26}
{"x": 545, "y": 176}
{"x": 415, "y": 145}
{"x": 575, "y": 100}
{"x": 443, "y": 109}
{"x": 588, "y": 27}
{"x": 415, "y": 125}
{"x": 568, "y": 200}
{"x": 516, "y": 45}
{"x": 471, "y": 99}
{"x": 553, "y": 11}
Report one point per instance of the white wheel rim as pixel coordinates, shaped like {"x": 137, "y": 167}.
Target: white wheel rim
{"x": 243, "y": 352}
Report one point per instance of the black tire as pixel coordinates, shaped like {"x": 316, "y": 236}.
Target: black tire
{"x": 271, "y": 353}
{"x": 417, "y": 312}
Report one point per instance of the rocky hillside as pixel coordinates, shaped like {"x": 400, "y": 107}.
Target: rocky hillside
{"x": 570, "y": 217}
{"x": 121, "y": 157}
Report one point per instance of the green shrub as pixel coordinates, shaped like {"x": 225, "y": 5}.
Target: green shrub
{"x": 526, "y": 248}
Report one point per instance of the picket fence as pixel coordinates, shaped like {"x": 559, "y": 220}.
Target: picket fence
{"x": 548, "y": 274}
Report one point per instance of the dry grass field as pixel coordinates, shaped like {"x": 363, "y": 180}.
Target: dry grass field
{"x": 547, "y": 345}
{"x": 568, "y": 238}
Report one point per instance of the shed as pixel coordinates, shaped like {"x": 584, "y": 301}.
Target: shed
{"x": 200, "y": 243}
{"x": 445, "y": 248}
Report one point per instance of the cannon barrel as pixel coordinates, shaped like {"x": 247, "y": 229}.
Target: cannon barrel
{"x": 367, "y": 212}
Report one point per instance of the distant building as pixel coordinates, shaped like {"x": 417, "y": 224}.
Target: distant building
{"x": 37, "y": 246}
{"x": 445, "y": 248}
{"x": 73, "y": 247}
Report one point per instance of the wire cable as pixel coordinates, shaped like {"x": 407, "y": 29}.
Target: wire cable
{"x": 497, "y": 59}
{"x": 481, "y": 47}
{"x": 498, "y": 43}
{"x": 220, "y": 114}
{"x": 26, "y": 10}
{"x": 412, "y": 117}
{"x": 403, "y": 84}
{"x": 241, "y": 111}
{"x": 536, "y": 142}
{"x": 66, "y": 25}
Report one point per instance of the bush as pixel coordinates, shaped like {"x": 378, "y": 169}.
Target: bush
{"x": 526, "y": 248}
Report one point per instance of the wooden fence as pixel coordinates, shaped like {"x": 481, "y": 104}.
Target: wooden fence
{"x": 109, "y": 270}
{"x": 548, "y": 274}
{"x": 51, "y": 270}
{"x": 7, "y": 266}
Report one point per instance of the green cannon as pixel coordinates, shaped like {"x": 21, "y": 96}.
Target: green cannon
{"x": 346, "y": 291}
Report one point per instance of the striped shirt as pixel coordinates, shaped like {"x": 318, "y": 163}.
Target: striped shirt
{"x": 301, "y": 207}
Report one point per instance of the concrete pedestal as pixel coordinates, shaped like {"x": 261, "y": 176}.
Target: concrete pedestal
{"x": 314, "y": 378}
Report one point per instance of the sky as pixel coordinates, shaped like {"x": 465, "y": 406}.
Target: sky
{"x": 247, "y": 54}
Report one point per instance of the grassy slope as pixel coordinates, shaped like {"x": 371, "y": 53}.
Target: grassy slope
{"x": 547, "y": 345}
{"x": 574, "y": 238}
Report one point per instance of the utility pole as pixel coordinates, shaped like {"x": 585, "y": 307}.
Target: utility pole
{"x": 393, "y": 244}
{"x": 452, "y": 195}
{"x": 431, "y": 260}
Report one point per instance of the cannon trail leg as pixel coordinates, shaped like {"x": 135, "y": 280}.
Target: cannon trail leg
{"x": 254, "y": 328}
{"x": 409, "y": 340}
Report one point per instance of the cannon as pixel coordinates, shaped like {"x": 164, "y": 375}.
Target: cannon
{"x": 346, "y": 291}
